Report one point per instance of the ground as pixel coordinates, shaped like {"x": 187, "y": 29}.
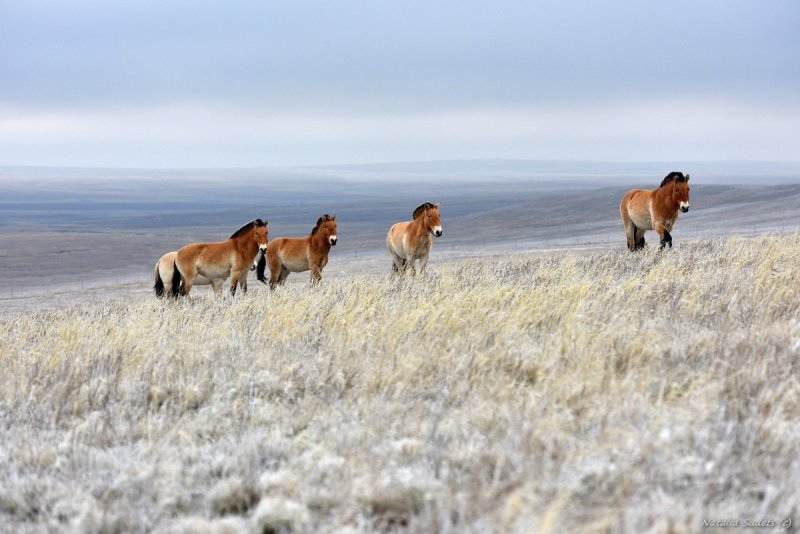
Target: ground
{"x": 520, "y": 392}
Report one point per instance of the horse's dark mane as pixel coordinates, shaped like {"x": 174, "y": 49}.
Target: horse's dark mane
{"x": 324, "y": 218}
{"x": 246, "y": 227}
{"x": 674, "y": 176}
{"x": 421, "y": 208}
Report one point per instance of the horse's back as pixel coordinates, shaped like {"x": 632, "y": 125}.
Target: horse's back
{"x": 189, "y": 252}
{"x": 204, "y": 261}
{"x": 287, "y": 246}
{"x": 635, "y": 194}
{"x": 394, "y": 239}
{"x": 166, "y": 267}
{"x": 290, "y": 253}
{"x": 635, "y": 205}
{"x": 211, "y": 252}
{"x": 167, "y": 259}
{"x": 399, "y": 229}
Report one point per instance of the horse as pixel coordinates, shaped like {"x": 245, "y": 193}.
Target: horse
{"x": 654, "y": 209}
{"x": 217, "y": 261}
{"x": 165, "y": 269}
{"x": 298, "y": 254}
{"x": 411, "y": 240}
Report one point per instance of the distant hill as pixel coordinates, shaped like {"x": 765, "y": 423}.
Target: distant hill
{"x": 85, "y": 225}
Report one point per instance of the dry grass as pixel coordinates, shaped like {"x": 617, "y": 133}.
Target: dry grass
{"x": 616, "y": 391}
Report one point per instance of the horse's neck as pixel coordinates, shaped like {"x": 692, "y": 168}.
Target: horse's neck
{"x": 246, "y": 244}
{"x": 318, "y": 241}
{"x": 664, "y": 198}
{"x": 418, "y": 226}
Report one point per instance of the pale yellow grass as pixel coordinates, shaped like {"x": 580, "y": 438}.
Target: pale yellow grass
{"x": 605, "y": 392}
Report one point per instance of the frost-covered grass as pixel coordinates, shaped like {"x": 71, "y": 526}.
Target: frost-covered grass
{"x": 613, "y": 391}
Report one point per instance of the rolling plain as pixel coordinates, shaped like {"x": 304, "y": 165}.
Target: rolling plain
{"x": 539, "y": 378}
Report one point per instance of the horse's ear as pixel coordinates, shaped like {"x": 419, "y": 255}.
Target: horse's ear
{"x": 687, "y": 177}
{"x": 421, "y": 208}
{"x": 436, "y": 205}
{"x": 333, "y": 217}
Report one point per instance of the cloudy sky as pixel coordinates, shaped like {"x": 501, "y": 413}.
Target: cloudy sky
{"x": 261, "y": 83}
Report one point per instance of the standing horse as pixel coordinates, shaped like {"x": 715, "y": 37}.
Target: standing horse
{"x": 165, "y": 270}
{"x": 217, "y": 261}
{"x": 409, "y": 241}
{"x": 297, "y": 254}
{"x": 654, "y": 209}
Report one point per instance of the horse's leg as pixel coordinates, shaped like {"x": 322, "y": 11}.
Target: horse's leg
{"x": 316, "y": 274}
{"x": 187, "y": 274}
{"x": 216, "y": 285}
{"x": 638, "y": 236}
{"x": 235, "y": 277}
{"x": 630, "y": 236}
{"x": 666, "y": 238}
{"x": 627, "y": 223}
{"x": 274, "y": 263}
{"x": 243, "y": 278}
{"x": 423, "y": 263}
{"x": 277, "y": 277}
{"x": 398, "y": 263}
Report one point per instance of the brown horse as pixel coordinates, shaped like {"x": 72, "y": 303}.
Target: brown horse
{"x": 165, "y": 270}
{"x": 297, "y": 254}
{"x": 216, "y": 261}
{"x": 654, "y": 209}
{"x": 409, "y": 241}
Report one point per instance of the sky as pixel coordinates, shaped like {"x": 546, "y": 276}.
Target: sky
{"x": 192, "y": 84}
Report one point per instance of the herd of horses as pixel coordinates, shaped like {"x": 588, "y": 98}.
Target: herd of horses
{"x": 248, "y": 248}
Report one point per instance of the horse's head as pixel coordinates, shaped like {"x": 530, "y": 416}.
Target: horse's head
{"x": 430, "y": 217}
{"x": 327, "y": 226}
{"x": 260, "y": 234}
{"x": 680, "y": 192}
{"x": 259, "y": 229}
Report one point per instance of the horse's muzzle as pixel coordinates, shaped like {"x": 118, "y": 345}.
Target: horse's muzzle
{"x": 333, "y": 241}
{"x": 684, "y": 209}
{"x": 437, "y": 231}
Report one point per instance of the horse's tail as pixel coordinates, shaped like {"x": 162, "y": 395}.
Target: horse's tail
{"x": 260, "y": 268}
{"x": 177, "y": 279}
{"x": 158, "y": 287}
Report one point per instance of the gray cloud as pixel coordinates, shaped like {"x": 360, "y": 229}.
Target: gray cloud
{"x": 380, "y": 64}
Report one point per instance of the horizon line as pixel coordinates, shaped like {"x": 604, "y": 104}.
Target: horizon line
{"x": 401, "y": 162}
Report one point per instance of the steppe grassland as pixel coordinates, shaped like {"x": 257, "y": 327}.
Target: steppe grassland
{"x": 612, "y": 391}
